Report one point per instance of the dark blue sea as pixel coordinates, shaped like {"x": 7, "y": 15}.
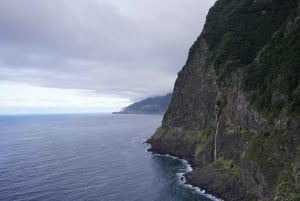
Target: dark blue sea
{"x": 86, "y": 157}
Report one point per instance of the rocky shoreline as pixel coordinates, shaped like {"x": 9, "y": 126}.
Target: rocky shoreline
{"x": 208, "y": 178}
{"x": 189, "y": 178}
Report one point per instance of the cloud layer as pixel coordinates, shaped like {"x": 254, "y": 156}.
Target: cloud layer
{"x": 129, "y": 48}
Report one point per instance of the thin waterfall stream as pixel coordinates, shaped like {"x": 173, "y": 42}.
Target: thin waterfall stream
{"x": 216, "y": 134}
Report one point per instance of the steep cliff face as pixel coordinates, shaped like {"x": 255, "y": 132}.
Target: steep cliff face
{"x": 236, "y": 103}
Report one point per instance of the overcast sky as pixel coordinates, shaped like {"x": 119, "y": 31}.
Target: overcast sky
{"x": 102, "y": 53}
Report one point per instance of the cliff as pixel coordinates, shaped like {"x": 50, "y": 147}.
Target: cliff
{"x": 235, "y": 111}
{"x": 154, "y": 105}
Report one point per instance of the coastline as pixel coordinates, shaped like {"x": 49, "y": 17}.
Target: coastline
{"x": 210, "y": 178}
{"x": 182, "y": 175}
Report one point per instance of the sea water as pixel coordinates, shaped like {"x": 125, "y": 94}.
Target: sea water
{"x": 87, "y": 157}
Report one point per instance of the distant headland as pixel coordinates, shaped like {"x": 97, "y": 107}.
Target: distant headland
{"x": 153, "y": 105}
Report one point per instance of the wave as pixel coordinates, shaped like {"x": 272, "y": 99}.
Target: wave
{"x": 181, "y": 175}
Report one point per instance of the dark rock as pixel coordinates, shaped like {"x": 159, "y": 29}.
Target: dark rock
{"x": 241, "y": 76}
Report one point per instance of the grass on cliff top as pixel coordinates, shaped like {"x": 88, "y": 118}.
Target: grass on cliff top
{"x": 236, "y": 30}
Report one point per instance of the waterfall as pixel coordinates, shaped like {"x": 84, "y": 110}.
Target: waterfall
{"x": 216, "y": 134}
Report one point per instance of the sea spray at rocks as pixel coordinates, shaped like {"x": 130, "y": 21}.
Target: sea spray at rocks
{"x": 181, "y": 175}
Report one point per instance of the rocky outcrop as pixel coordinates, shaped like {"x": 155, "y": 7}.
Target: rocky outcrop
{"x": 232, "y": 83}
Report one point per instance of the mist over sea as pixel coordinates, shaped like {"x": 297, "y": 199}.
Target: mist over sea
{"x": 86, "y": 157}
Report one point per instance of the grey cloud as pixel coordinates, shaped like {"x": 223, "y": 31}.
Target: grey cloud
{"x": 68, "y": 28}
{"x": 132, "y": 48}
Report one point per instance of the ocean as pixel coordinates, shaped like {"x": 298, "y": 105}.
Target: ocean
{"x": 87, "y": 157}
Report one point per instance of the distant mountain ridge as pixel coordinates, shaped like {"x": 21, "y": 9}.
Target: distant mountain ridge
{"x": 153, "y": 105}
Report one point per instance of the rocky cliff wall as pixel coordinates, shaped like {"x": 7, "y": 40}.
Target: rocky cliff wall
{"x": 215, "y": 108}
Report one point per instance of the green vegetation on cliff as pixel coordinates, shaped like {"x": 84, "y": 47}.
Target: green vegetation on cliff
{"x": 274, "y": 75}
{"x": 242, "y": 79}
{"x": 262, "y": 37}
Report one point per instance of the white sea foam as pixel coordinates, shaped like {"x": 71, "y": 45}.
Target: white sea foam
{"x": 182, "y": 179}
{"x": 147, "y": 145}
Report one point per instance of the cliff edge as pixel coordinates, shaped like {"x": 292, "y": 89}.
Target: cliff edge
{"x": 235, "y": 110}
